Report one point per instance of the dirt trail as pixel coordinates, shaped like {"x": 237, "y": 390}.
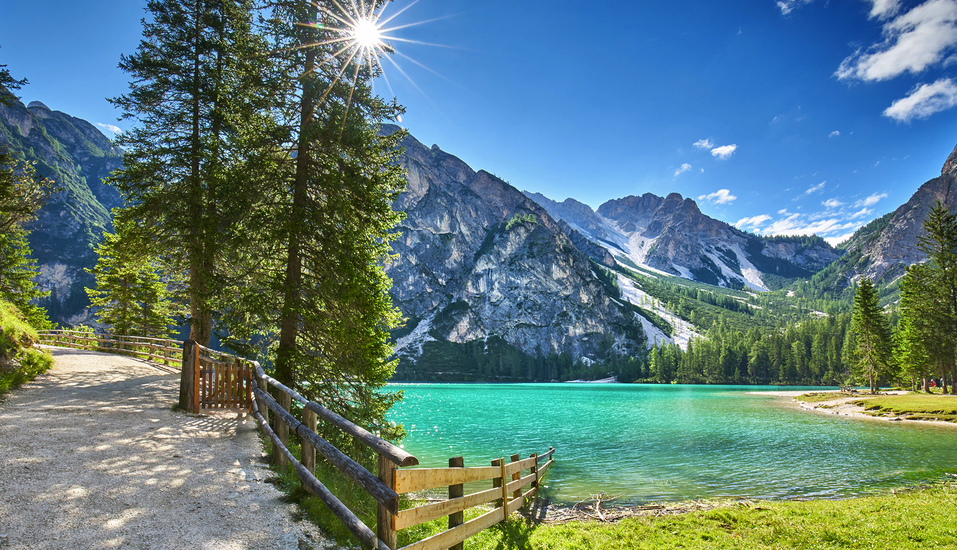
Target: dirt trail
{"x": 92, "y": 456}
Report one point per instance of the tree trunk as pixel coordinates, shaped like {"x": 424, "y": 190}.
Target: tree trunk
{"x": 289, "y": 322}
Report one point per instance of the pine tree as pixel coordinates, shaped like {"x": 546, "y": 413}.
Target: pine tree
{"x": 939, "y": 242}
{"x": 196, "y": 92}
{"x": 17, "y": 273}
{"x": 130, "y": 295}
{"x": 873, "y": 339}
{"x": 319, "y": 296}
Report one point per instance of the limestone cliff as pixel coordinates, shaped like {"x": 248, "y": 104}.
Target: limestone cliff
{"x": 76, "y": 155}
{"x": 476, "y": 258}
{"x": 884, "y": 249}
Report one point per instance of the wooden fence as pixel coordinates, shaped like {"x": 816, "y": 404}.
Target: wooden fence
{"x": 508, "y": 478}
{"x": 214, "y": 380}
{"x": 156, "y": 349}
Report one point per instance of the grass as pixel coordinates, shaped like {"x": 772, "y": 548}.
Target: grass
{"x": 913, "y": 406}
{"x": 914, "y": 519}
{"x": 20, "y": 362}
{"x": 818, "y": 397}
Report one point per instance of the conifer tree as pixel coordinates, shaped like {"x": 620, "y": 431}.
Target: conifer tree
{"x": 939, "y": 242}
{"x": 320, "y": 292}
{"x": 873, "y": 339}
{"x": 130, "y": 296}
{"x": 196, "y": 89}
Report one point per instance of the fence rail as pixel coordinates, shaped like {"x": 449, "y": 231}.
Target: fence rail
{"x": 214, "y": 380}
{"x": 157, "y": 349}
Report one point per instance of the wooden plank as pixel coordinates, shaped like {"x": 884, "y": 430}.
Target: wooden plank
{"x": 420, "y": 479}
{"x": 196, "y": 368}
{"x": 447, "y": 539}
{"x": 515, "y": 486}
{"x": 428, "y": 512}
{"x": 498, "y": 481}
{"x": 516, "y": 504}
{"x": 518, "y": 465}
{"x": 545, "y": 456}
{"x": 544, "y": 468}
{"x": 385, "y": 518}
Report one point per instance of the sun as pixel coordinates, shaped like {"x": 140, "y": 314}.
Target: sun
{"x": 367, "y": 35}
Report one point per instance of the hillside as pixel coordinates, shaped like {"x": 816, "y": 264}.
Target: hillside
{"x": 76, "y": 155}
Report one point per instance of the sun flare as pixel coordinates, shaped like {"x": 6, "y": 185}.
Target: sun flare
{"x": 367, "y": 34}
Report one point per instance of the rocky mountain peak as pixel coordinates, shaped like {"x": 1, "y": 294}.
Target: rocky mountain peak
{"x": 40, "y": 110}
{"x": 950, "y": 167}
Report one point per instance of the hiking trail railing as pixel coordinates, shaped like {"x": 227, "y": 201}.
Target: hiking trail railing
{"x": 156, "y": 349}
{"x": 216, "y": 380}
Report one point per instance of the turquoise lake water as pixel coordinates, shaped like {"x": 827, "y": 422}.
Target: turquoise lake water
{"x": 645, "y": 443}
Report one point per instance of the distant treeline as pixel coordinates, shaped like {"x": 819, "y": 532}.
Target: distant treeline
{"x": 815, "y": 352}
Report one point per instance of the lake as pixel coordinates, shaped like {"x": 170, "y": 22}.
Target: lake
{"x": 644, "y": 443}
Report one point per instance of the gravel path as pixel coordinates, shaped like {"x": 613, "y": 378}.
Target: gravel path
{"x": 92, "y": 456}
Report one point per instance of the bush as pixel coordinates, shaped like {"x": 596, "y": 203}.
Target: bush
{"x": 20, "y": 362}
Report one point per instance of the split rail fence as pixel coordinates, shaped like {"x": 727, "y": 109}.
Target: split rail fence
{"x": 156, "y": 349}
{"x": 215, "y": 380}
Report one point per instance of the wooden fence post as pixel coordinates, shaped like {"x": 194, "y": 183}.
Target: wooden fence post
{"x": 384, "y": 517}
{"x": 308, "y": 451}
{"x": 187, "y": 379}
{"x": 282, "y": 430}
{"x": 499, "y": 481}
{"x": 456, "y": 491}
{"x": 516, "y": 476}
{"x": 535, "y": 471}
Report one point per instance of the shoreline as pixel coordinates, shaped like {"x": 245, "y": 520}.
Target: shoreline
{"x": 841, "y": 406}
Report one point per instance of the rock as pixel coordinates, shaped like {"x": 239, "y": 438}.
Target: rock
{"x": 476, "y": 258}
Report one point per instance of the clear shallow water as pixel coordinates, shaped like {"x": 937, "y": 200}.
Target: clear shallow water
{"x": 671, "y": 442}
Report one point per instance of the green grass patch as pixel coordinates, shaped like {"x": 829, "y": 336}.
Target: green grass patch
{"x": 913, "y": 519}
{"x": 818, "y": 396}
{"x": 914, "y": 406}
{"x": 20, "y": 362}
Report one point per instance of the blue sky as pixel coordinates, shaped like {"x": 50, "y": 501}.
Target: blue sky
{"x": 782, "y": 117}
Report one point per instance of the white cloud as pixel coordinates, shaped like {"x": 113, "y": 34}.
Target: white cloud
{"x": 684, "y": 168}
{"x": 884, "y": 8}
{"x": 724, "y": 152}
{"x": 813, "y": 189}
{"x": 871, "y": 200}
{"x": 704, "y": 143}
{"x": 721, "y": 196}
{"x": 924, "y": 101}
{"x": 110, "y": 128}
{"x": 782, "y": 211}
{"x": 754, "y": 221}
{"x": 833, "y": 134}
{"x": 787, "y": 6}
{"x": 861, "y": 213}
{"x": 831, "y": 204}
{"x": 913, "y": 42}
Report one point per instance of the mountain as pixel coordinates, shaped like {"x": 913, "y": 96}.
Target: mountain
{"x": 670, "y": 235}
{"x": 883, "y": 249}
{"x": 76, "y": 155}
{"x": 478, "y": 261}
